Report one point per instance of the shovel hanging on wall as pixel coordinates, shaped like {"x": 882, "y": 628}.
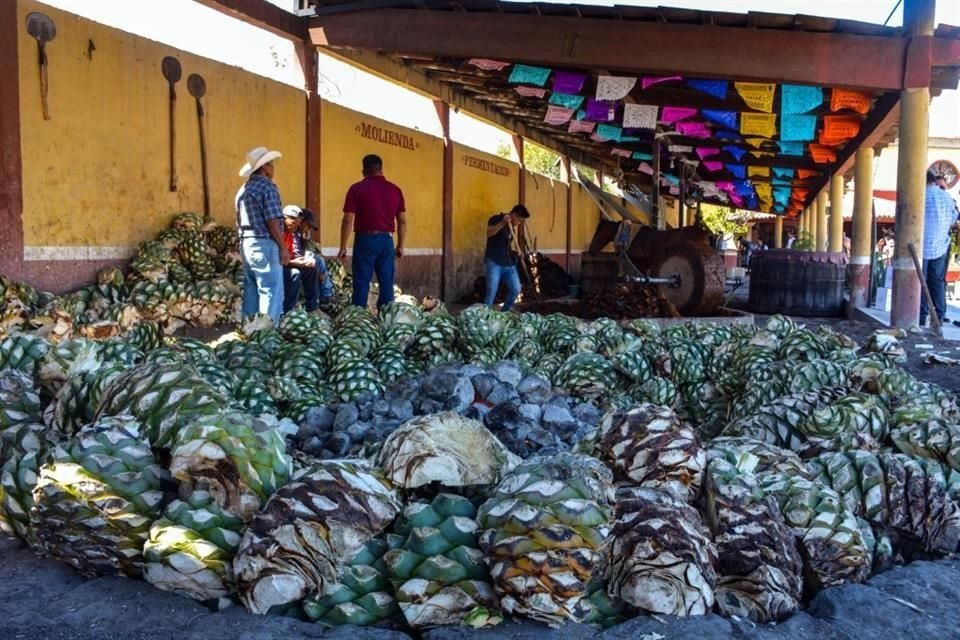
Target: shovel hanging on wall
{"x": 198, "y": 88}
{"x": 172, "y": 72}
{"x": 41, "y": 27}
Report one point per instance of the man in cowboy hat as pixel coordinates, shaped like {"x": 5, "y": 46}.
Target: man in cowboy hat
{"x": 305, "y": 268}
{"x": 263, "y": 253}
{"x": 373, "y": 209}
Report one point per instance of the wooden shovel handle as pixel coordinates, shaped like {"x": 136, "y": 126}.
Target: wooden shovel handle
{"x": 934, "y": 320}
{"x": 44, "y": 83}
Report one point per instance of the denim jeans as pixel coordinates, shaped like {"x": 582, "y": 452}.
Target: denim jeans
{"x": 262, "y": 278}
{"x": 511, "y": 278}
{"x": 293, "y": 279}
{"x": 326, "y": 286}
{"x": 372, "y": 253}
{"x": 935, "y": 273}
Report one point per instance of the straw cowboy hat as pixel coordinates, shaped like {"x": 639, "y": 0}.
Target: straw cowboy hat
{"x": 257, "y": 158}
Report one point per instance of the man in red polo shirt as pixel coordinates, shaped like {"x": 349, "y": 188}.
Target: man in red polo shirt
{"x": 373, "y": 209}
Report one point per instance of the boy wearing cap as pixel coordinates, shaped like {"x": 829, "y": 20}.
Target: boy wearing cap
{"x": 260, "y": 229}
{"x": 500, "y": 262}
{"x": 304, "y": 268}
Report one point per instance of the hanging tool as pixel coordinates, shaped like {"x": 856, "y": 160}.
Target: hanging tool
{"x": 198, "y": 88}
{"x": 41, "y": 27}
{"x": 172, "y": 72}
{"x": 934, "y": 319}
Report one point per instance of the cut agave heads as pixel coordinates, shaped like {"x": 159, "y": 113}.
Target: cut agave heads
{"x": 445, "y": 448}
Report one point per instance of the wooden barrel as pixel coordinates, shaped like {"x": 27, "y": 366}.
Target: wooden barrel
{"x": 798, "y": 283}
{"x": 598, "y": 272}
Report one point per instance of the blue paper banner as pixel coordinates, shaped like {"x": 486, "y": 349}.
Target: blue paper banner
{"x": 783, "y": 172}
{"x": 798, "y": 128}
{"x": 782, "y": 194}
{"x": 781, "y": 182}
{"x": 624, "y": 138}
{"x": 609, "y": 132}
{"x": 566, "y": 100}
{"x": 722, "y": 134}
{"x": 727, "y": 119}
{"x": 795, "y": 99}
{"x": 716, "y": 88}
{"x": 752, "y": 202}
{"x": 672, "y": 179}
{"x": 791, "y": 148}
{"x": 525, "y": 74}
{"x": 736, "y": 152}
{"x": 639, "y": 155}
{"x": 744, "y": 188}
{"x": 738, "y": 170}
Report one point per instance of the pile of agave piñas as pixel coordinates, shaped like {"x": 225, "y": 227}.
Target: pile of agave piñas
{"x": 734, "y": 468}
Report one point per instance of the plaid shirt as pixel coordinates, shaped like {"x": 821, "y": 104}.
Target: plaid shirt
{"x": 939, "y": 215}
{"x": 257, "y": 201}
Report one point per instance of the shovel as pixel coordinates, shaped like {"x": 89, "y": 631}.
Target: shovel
{"x": 41, "y": 27}
{"x": 171, "y": 71}
{"x": 934, "y": 320}
{"x": 198, "y": 88}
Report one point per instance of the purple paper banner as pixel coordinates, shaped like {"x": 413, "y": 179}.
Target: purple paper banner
{"x": 568, "y": 81}
{"x": 693, "y": 129}
{"x": 706, "y": 152}
{"x": 713, "y": 166}
{"x": 601, "y": 110}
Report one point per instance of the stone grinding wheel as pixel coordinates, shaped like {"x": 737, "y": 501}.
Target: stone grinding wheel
{"x": 702, "y": 277}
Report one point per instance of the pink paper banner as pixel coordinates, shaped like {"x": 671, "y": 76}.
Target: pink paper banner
{"x": 488, "y": 65}
{"x": 724, "y": 185}
{"x": 669, "y": 115}
{"x": 581, "y": 126}
{"x": 531, "y": 92}
{"x": 693, "y": 129}
{"x": 645, "y": 168}
{"x": 596, "y": 137}
{"x": 713, "y": 165}
{"x": 557, "y": 115}
{"x": 623, "y": 153}
{"x": 706, "y": 152}
{"x": 649, "y": 81}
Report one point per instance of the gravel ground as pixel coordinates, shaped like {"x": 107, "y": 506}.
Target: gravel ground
{"x": 43, "y": 599}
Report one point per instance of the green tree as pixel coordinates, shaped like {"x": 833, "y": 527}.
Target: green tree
{"x": 535, "y": 158}
{"x": 716, "y": 219}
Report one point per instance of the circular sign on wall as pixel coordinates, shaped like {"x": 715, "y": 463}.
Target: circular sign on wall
{"x": 946, "y": 170}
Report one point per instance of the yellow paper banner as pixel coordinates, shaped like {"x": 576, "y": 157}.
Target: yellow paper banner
{"x": 764, "y": 190}
{"x": 757, "y": 95}
{"x": 762, "y": 154}
{"x": 756, "y": 142}
{"x": 758, "y": 124}
{"x": 763, "y": 172}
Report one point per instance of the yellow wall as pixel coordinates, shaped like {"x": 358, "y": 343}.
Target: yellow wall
{"x": 586, "y": 215}
{"x": 478, "y": 193}
{"x": 546, "y": 199}
{"x": 346, "y": 137}
{"x": 97, "y": 173}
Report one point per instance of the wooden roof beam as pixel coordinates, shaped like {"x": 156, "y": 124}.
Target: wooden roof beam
{"x": 415, "y": 79}
{"x": 264, "y": 15}
{"x": 770, "y": 55}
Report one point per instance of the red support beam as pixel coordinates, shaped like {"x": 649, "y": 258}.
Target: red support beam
{"x": 262, "y": 14}
{"x": 522, "y": 183}
{"x": 308, "y": 62}
{"x": 770, "y": 55}
{"x": 11, "y": 162}
{"x": 446, "y": 264}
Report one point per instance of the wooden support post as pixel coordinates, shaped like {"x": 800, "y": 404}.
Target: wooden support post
{"x": 681, "y": 204}
{"x": 860, "y": 247}
{"x": 522, "y": 184}
{"x": 911, "y": 176}
{"x": 309, "y": 62}
{"x": 447, "y": 260}
{"x": 821, "y": 242}
{"x": 567, "y": 175}
{"x": 11, "y": 162}
{"x": 778, "y": 232}
{"x": 661, "y": 218}
{"x": 836, "y": 214}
